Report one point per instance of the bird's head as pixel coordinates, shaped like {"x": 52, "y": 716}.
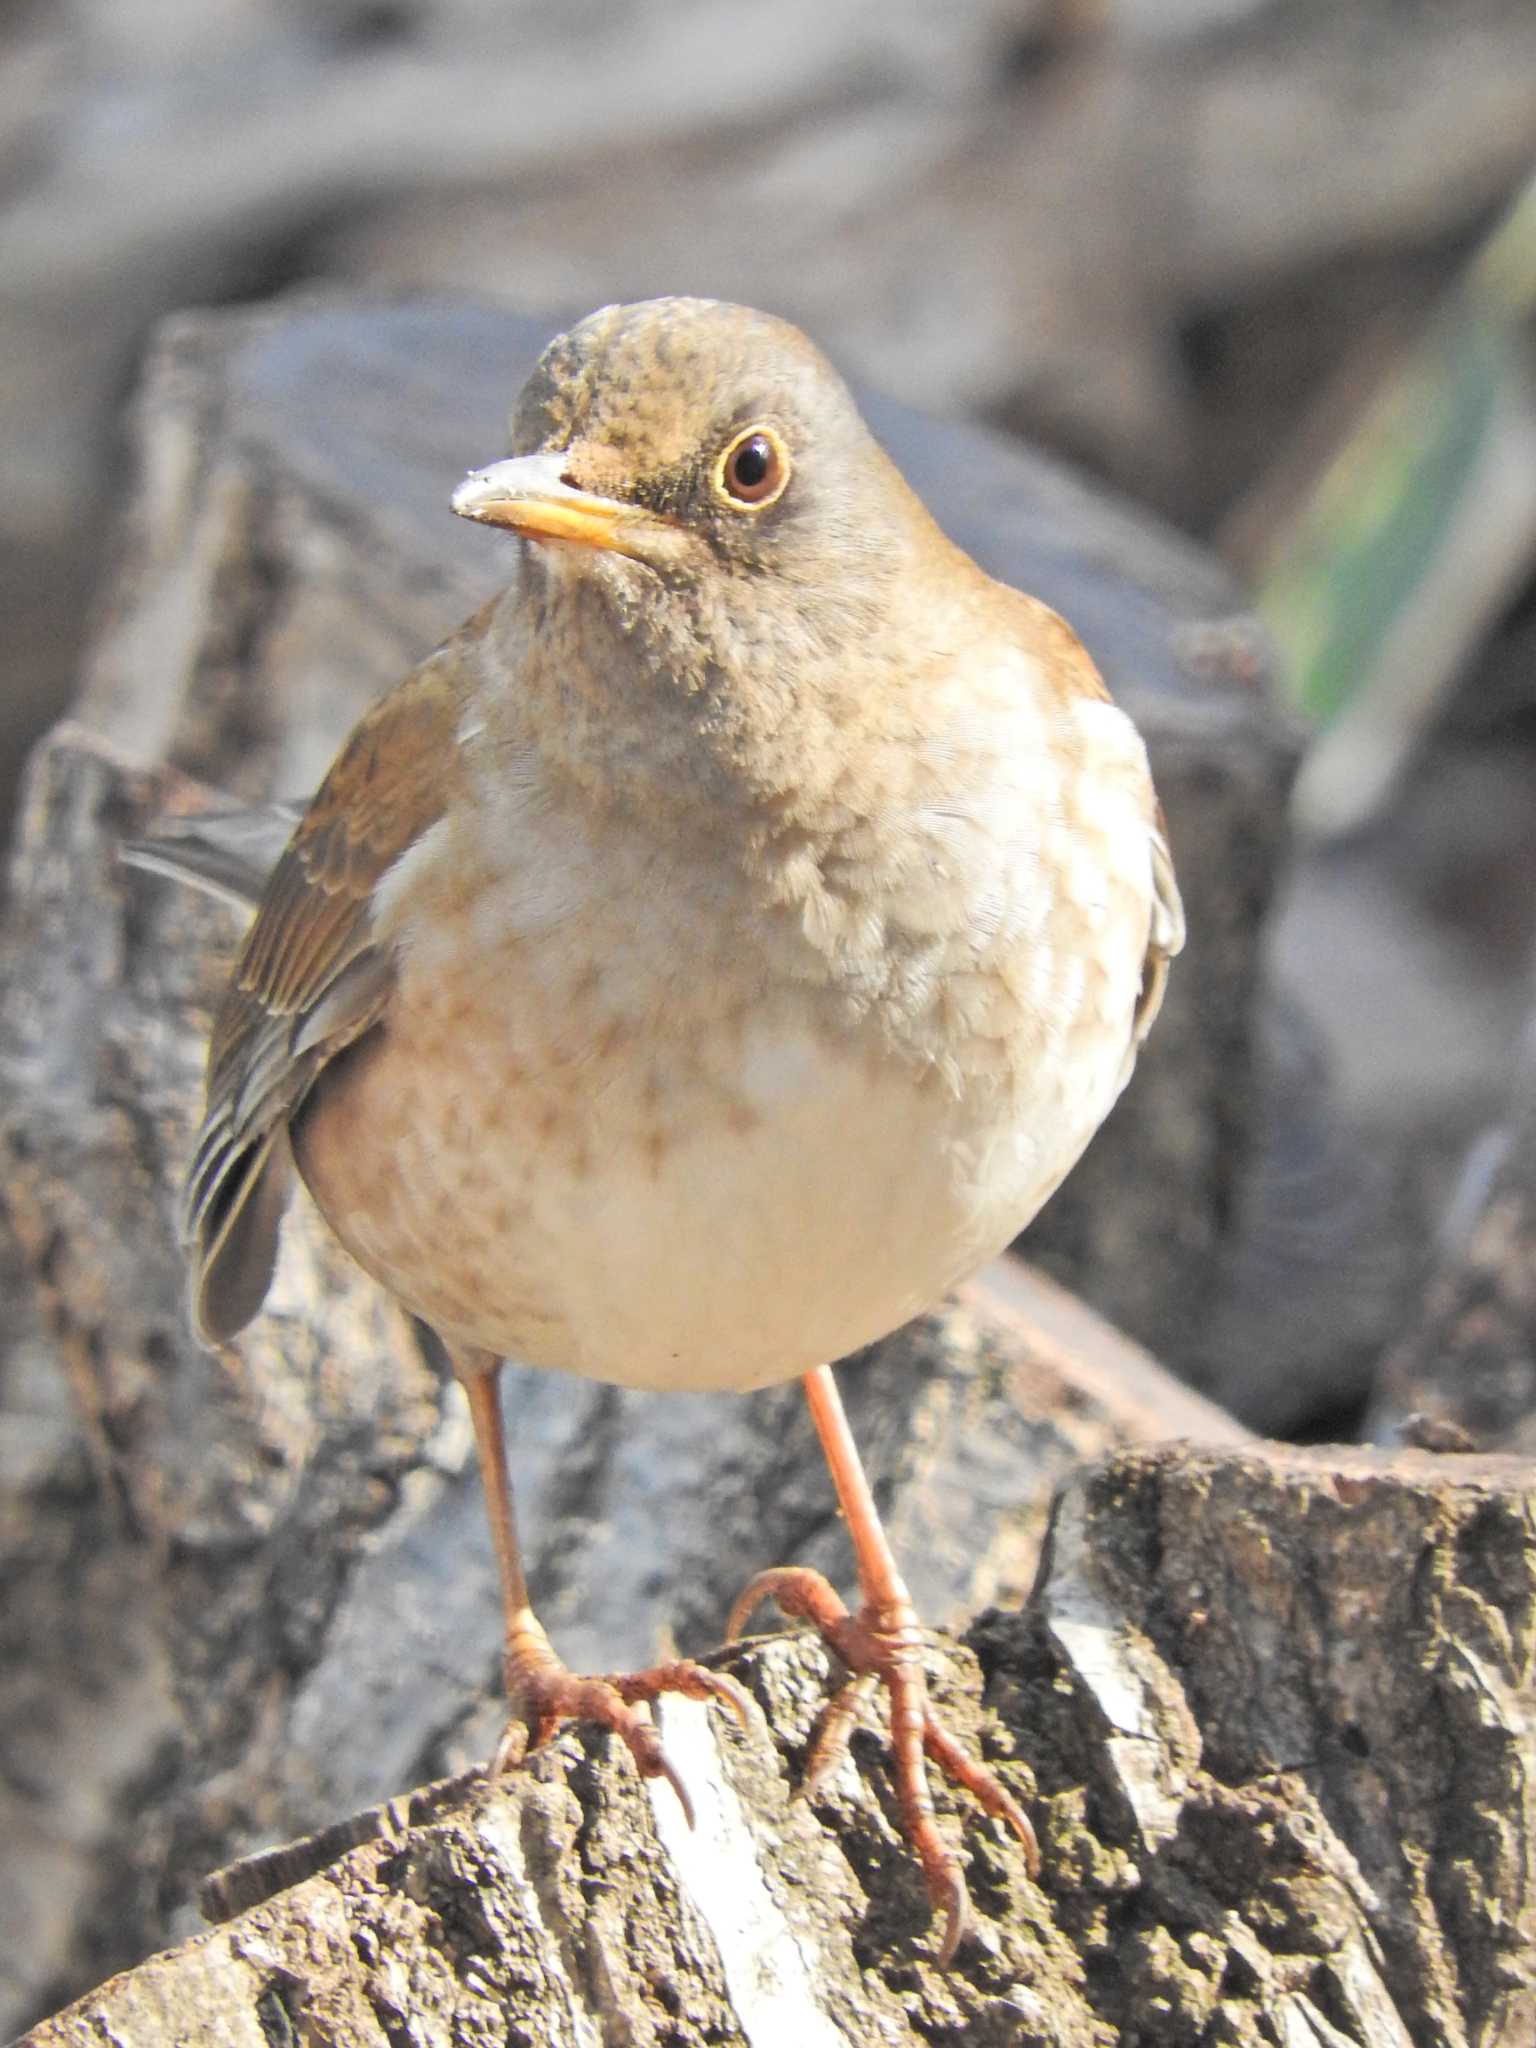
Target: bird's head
{"x": 702, "y": 471}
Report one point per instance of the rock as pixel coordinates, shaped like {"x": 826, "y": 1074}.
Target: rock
{"x": 183, "y": 1521}
{"x": 1324, "y": 1246}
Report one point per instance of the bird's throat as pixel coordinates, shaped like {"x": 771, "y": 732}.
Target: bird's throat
{"x": 665, "y": 702}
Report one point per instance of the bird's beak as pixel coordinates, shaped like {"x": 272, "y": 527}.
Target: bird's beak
{"x": 529, "y": 494}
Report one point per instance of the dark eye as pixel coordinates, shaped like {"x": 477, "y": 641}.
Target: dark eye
{"x": 755, "y": 468}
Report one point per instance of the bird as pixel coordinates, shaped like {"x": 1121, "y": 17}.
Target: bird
{"x": 714, "y": 951}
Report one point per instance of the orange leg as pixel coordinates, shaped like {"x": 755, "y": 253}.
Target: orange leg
{"x": 541, "y": 1690}
{"x": 882, "y": 1644}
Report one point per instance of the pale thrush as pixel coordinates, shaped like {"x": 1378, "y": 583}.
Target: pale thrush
{"x": 719, "y": 947}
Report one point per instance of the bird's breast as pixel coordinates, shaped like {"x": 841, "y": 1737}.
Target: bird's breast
{"x": 675, "y": 1134}
{"x": 723, "y": 1211}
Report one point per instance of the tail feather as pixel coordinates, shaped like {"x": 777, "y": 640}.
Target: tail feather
{"x": 233, "y": 1232}
{"x": 228, "y": 854}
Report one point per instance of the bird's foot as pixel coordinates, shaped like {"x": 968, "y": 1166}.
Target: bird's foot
{"x": 882, "y": 1644}
{"x": 543, "y": 1693}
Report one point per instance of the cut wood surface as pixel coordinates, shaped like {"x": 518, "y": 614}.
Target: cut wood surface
{"x": 1273, "y": 1711}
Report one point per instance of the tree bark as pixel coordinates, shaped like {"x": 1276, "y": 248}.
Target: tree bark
{"x": 1273, "y": 1711}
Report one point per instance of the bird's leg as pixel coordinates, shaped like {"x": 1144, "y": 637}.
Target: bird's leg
{"x": 541, "y": 1690}
{"x": 882, "y": 1644}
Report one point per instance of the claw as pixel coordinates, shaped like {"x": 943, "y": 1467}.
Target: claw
{"x": 829, "y": 1738}
{"x": 665, "y": 1769}
{"x": 544, "y": 1694}
{"x": 730, "y": 1694}
{"x": 954, "y": 1901}
{"x": 881, "y": 1645}
{"x": 983, "y": 1787}
{"x": 512, "y": 1749}
{"x": 747, "y": 1600}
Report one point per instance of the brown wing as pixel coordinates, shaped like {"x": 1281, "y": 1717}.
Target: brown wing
{"x": 310, "y": 979}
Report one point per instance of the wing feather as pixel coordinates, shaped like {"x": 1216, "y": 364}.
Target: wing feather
{"x": 310, "y": 979}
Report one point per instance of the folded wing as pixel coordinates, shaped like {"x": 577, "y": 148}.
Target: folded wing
{"x": 310, "y": 980}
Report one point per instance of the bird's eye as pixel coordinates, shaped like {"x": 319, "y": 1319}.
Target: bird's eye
{"x": 754, "y": 469}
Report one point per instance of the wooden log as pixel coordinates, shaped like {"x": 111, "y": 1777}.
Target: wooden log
{"x": 1273, "y": 1708}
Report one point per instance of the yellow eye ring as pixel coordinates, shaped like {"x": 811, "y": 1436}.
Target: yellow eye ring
{"x": 753, "y": 469}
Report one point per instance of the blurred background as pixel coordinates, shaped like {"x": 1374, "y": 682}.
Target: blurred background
{"x": 1266, "y": 266}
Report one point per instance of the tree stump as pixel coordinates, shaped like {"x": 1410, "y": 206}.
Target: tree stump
{"x": 1274, "y": 1712}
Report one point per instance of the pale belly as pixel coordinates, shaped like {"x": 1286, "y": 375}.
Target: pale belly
{"x": 683, "y": 1214}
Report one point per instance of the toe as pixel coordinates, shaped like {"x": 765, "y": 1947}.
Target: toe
{"x": 830, "y": 1736}
{"x": 800, "y": 1594}
{"x": 993, "y": 1797}
{"x": 692, "y": 1680}
{"x": 950, "y": 1897}
{"x": 545, "y": 1694}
